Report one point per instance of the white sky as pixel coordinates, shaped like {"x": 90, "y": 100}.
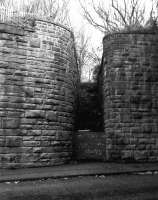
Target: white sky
{"x": 79, "y": 22}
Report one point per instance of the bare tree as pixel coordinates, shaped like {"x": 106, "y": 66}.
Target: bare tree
{"x": 54, "y": 10}
{"x": 82, "y": 50}
{"x": 154, "y": 10}
{"x": 87, "y": 57}
{"x": 95, "y": 55}
{"x": 129, "y": 14}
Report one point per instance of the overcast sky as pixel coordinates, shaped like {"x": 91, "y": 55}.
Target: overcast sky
{"x": 79, "y": 23}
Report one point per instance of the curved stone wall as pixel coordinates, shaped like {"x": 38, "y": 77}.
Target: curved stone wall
{"x": 38, "y": 80}
{"x": 130, "y": 90}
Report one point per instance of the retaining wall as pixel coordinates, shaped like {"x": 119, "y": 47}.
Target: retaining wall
{"x": 38, "y": 80}
{"x": 90, "y": 146}
{"x": 130, "y": 91}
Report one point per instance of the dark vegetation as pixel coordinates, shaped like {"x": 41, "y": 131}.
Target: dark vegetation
{"x": 89, "y": 111}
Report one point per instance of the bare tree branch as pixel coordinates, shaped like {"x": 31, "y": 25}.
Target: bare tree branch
{"x": 55, "y": 10}
{"x": 86, "y": 57}
{"x": 90, "y": 18}
{"x": 129, "y": 15}
{"x": 118, "y": 10}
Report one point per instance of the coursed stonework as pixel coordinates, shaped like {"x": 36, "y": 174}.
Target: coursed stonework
{"x": 130, "y": 92}
{"x": 38, "y": 81}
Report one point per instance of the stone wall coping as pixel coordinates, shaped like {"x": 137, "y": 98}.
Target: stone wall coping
{"x": 56, "y": 24}
{"x": 19, "y": 30}
{"x": 14, "y": 29}
{"x": 128, "y": 32}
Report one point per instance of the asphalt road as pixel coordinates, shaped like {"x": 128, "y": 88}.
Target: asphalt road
{"x": 128, "y": 187}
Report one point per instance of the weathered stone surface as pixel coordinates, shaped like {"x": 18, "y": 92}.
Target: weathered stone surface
{"x": 130, "y": 88}
{"x": 38, "y": 80}
{"x": 90, "y": 146}
{"x": 51, "y": 116}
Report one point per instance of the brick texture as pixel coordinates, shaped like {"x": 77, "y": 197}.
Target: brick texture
{"x": 130, "y": 91}
{"x": 38, "y": 80}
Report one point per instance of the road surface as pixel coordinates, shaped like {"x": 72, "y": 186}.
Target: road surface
{"x": 118, "y": 187}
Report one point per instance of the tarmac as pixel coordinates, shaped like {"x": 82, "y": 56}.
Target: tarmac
{"x": 76, "y": 170}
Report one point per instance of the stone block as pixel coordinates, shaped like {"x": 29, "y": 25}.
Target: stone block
{"x": 29, "y": 91}
{"x": 127, "y": 155}
{"x": 31, "y": 143}
{"x": 13, "y": 141}
{"x": 51, "y": 116}
{"x": 35, "y": 114}
{"x": 35, "y": 43}
{"x": 140, "y": 155}
{"x": 2, "y": 142}
{"x": 10, "y": 123}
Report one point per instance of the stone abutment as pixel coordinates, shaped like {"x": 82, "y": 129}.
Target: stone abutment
{"x": 38, "y": 81}
{"x": 130, "y": 93}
